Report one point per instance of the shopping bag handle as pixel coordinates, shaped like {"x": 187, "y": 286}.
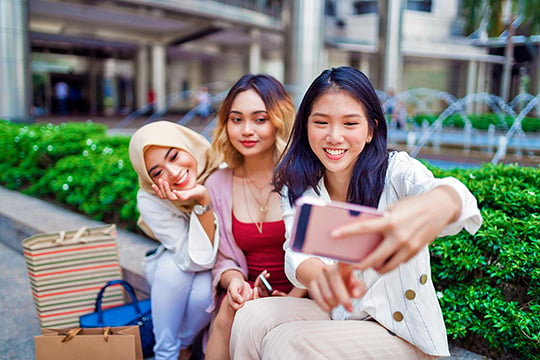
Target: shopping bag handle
{"x": 76, "y": 331}
{"x": 129, "y": 290}
{"x": 76, "y": 237}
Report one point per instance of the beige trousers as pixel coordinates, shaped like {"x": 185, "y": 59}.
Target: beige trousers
{"x": 294, "y": 328}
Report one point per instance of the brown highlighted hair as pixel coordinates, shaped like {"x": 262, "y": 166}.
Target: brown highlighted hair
{"x": 280, "y": 108}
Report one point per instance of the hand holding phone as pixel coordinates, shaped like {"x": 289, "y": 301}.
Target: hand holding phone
{"x": 265, "y": 283}
{"x": 262, "y": 285}
{"x": 314, "y": 221}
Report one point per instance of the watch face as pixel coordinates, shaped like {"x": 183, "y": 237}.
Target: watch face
{"x": 199, "y": 209}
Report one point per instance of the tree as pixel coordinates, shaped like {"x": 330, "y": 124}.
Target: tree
{"x": 496, "y": 16}
{"x": 492, "y": 13}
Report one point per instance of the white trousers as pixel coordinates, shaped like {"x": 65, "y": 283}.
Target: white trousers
{"x": 179, "y": 301}
{"x": 295, "y": 328}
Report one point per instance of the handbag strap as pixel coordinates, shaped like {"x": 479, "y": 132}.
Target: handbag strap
{"x": 129, "y": 290}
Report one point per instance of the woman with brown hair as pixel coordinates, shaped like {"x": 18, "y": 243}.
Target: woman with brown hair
{"x": 253, "y": 126}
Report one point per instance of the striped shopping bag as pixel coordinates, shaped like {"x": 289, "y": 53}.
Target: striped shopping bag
{"x": 66, "y": 271}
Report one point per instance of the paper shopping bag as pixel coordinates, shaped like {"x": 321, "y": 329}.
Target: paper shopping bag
{"x": 67, "y": 269}
{"x": 119, "y": 343}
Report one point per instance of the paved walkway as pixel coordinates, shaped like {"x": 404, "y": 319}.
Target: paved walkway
{"x": 19, "y": 319}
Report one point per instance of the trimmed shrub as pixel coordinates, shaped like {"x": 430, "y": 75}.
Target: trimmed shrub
{"x": 480, "y": 121}
{"x": 489, "y": 283}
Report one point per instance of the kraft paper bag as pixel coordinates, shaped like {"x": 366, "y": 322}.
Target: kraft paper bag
{"x": 119, "y": 343}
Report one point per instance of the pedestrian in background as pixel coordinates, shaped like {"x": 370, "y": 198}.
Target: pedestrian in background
{"x": 204, "y": 103}
{"x": 61, "y": 90}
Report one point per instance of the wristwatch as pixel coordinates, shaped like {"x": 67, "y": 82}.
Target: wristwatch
{"x": 199, "y": 209}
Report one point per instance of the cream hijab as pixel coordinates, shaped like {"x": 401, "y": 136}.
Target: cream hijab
{"x": 169, "y": 134}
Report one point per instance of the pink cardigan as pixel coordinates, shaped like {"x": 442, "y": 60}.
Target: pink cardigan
{"x": 229, "y": 256}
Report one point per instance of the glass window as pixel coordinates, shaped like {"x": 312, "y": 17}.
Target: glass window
{"x": 419, "y": 5}
{"x": 364, "y": 7}
{"x": 368, "y": 6}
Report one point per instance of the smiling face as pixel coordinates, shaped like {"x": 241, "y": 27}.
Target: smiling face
{"x": 249, "y": 127}
{"x": 175, "y": 166}
{"x": 338, "y": 130}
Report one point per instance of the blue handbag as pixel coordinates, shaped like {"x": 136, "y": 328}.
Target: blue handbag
{"x": 135, "y": 313}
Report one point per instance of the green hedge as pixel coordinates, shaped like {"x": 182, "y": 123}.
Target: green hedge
{"x": 480, "y": 121}
{"x": 77, "y": 165}
{"x": 489, "y": 284}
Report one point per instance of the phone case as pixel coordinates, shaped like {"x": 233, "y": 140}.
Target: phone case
{"x": 316, "y": 218}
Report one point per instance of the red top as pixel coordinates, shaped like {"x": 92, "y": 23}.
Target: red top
{"x": 263, "y": 251}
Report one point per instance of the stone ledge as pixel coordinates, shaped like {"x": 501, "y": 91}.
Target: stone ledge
{"x": 22, "y": 216}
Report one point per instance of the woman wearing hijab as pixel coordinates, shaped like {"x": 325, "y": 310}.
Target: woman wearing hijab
{"x": 172, "y": 162}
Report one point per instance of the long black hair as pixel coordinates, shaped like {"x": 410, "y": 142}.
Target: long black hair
{"x": 299, "y": 168}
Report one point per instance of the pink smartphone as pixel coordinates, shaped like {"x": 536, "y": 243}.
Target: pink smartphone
{"x": 316, "y": 218}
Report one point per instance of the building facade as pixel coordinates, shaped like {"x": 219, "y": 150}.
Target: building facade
{"x": 116, "y": 56}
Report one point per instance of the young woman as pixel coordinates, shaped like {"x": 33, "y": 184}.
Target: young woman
{"x": 253, "y": 124}
{"x": 171, "y": 162}
{"x": 338, "y": 152}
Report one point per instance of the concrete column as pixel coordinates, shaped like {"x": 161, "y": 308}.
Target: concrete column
{"x": 365, "y": 65}
{"x": 535, "y": 86}
{"x": 15, "y": 89}
{"x": 305, "y": 48}
{"x": 194, "y": 76}
{"x": 472, "y": 75}
{"x": 93, "y": 77}
{"x": 255, "y": 52}
{"x": 141, "y": 77}
{"x": 393, "y": 59}
{"x": 481, "y": 85}
{"x": 110, "y": 91}
{"x": 159, "y": 65}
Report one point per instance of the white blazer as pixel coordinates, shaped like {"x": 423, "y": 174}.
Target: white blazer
{"x": 403, "y": 300}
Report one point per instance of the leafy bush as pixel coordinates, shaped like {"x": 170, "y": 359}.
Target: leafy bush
{"x": 489, "y": 283}
{"x": 76, "y": 165}
{"x": 29, "y": 150}
{"x": 480, "y": 121}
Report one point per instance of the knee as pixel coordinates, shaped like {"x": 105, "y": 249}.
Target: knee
{"x": 255, "y": 316}
{"x": 245, "y": 315}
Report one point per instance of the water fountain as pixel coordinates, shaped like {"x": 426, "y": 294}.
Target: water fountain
{"x": 420, "y": 101}
{"x": 495, "y": 143}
